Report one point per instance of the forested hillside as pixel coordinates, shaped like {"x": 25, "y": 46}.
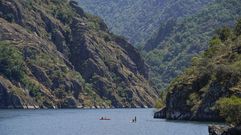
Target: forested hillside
{"x": 137, "y": 20}
{"x": 210, "y": 88}
{"x": 170, "y": 32}
{"x": 171, "y": 49}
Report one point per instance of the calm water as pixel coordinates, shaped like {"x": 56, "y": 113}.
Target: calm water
{"x": 86, "y": 122}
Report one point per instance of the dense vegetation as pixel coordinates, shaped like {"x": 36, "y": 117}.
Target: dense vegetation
{"x": 11, "y": 61}
{"x": 172, "y": 31}
{"x": 212, "y": 84}
{"x": 137, "y": 20}
{"x": 230, "y": 109}
{"x": 170, "y": 51}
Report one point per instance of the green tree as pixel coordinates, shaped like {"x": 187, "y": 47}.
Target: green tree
{"x": 11, "y": 62}
{"x": 224, "y": 33}
{"x": 230, "y": 109}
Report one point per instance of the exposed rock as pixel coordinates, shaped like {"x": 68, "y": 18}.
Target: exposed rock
{"x": 40, "y": 75}
{"x": 134, "y": 55}
{"x": 90, "y": 68}
{"x": 161, "y": 114}
{"x": 15, "y": 101}
{"x": 60, "y": 42}
{"x": 11, "y": 11}
{"x": 69, "y": 103}
{"x": 75, "y": 6}
{"x": 11, "y": 96}
{"x": 4, "y": 96}
{"x": 224, "y": 130}
{"x": 69, "y": 59}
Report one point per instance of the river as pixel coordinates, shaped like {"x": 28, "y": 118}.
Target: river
{"x": 86, "y": 122}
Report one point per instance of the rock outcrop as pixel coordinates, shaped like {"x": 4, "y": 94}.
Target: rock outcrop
{"x": 224, "y": 130}
{"x": 55, "y": 55}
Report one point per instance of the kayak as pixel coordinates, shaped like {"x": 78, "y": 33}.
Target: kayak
{"x": 105, "y": 119}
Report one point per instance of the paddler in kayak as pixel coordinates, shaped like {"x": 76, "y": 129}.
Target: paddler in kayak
{"x": 104, "y": 118}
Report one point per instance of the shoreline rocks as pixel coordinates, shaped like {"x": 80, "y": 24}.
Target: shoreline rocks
{"x": 161, "y": 114}
{"x": 224, "y": 130}
{"x": 175, "y": 115}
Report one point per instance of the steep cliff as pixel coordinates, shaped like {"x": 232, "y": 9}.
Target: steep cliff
{"x": 213, "y": 76}
{"x": 55, "y": 55}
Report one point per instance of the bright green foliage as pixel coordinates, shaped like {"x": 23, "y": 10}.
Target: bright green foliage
{"x": 11, "y": 61}
{"x": 160, "y": 103}
{"x": 31, "y": 86}
{"x": 215, "y": 41}
{"x": 230, "y": 109}
{"x": 214, "y": 46}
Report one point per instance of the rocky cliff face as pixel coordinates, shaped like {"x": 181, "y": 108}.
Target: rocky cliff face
{"x": 213, "y": 75}
{"x": 55, "y": 55}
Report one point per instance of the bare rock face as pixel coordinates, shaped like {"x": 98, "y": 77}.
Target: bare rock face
{"x": 11, "y": 11}
{"x": 66, "y": 59}
{"x": 69, "y": 103}
{"x": 10, "y": 98}
{"x": 161, "y": 114}
{"x": 75, "y": 6}
{"x": 114, "y": 61}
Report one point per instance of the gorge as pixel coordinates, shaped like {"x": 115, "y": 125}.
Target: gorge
{"x": 183, "y": 57}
